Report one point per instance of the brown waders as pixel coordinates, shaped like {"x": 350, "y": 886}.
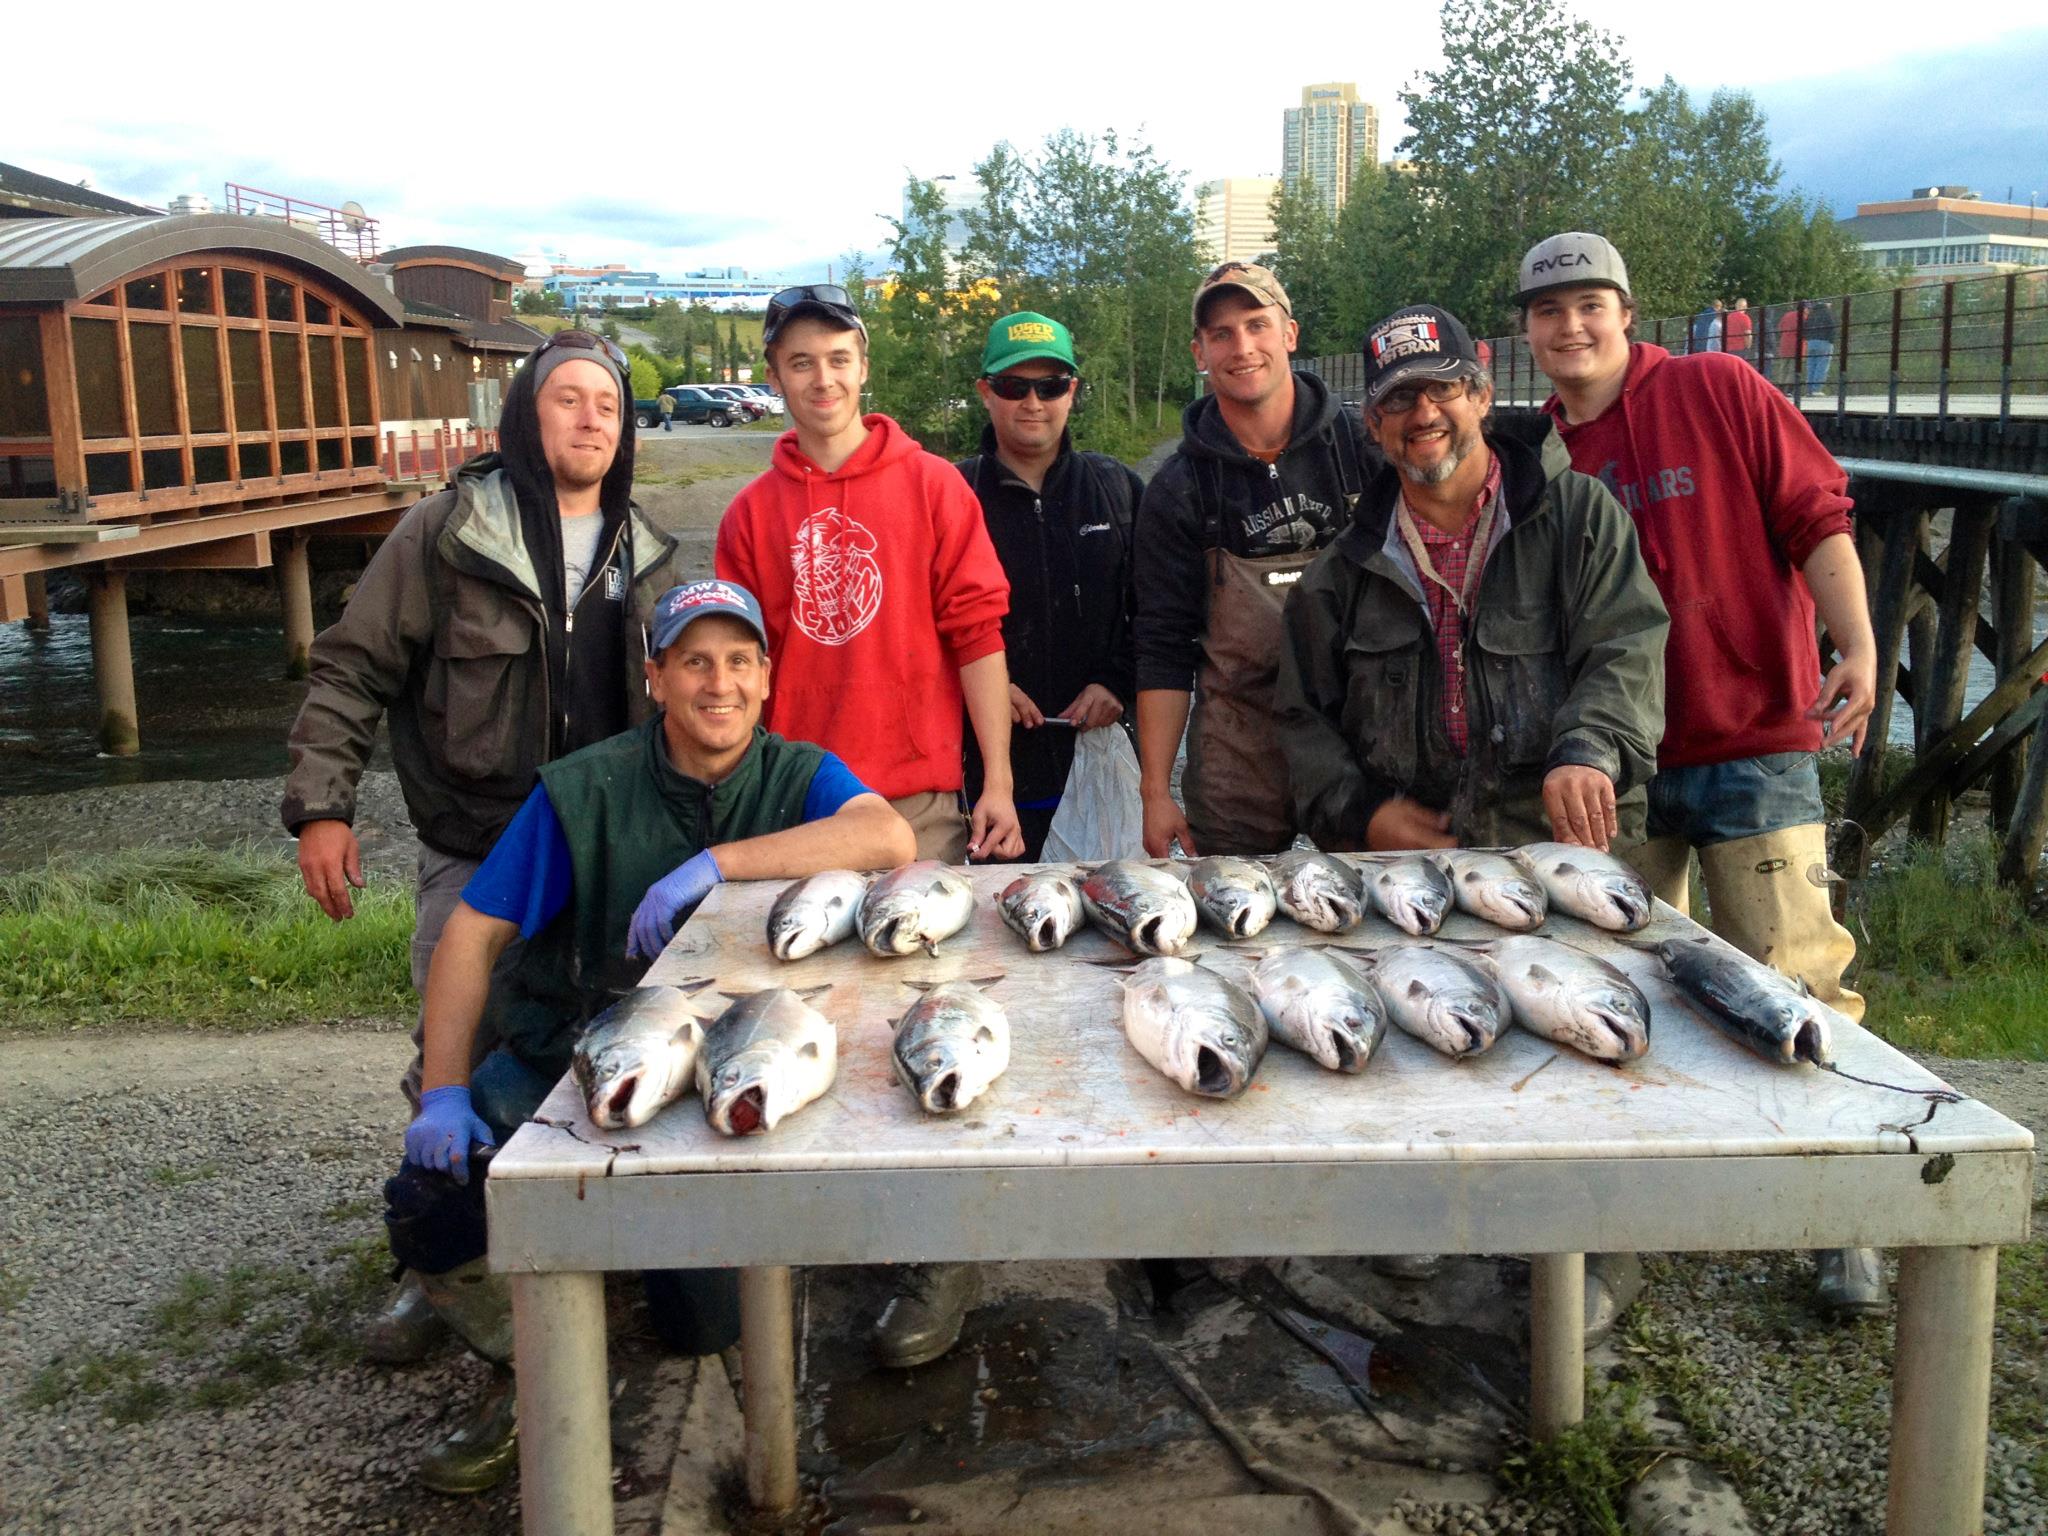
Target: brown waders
{"x": 1235, "y": 788}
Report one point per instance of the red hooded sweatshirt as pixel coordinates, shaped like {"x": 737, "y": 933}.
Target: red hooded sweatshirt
{"x": 1730, "y": 492}
{"x": 879, "y": 584}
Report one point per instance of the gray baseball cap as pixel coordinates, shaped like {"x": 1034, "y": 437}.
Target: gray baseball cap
{"x": 1574, "y": 260}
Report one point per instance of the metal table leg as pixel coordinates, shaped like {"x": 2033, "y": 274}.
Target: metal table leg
{"x": 1941, "y": 1391}
{"x": 1557, "y": 1343}
{"x": 565, "y": 1441}
{"x": 768, "y": 1384}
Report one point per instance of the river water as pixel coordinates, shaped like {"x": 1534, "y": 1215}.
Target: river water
{"x": 214, "y": 704}
{"x": 212, "y": 696}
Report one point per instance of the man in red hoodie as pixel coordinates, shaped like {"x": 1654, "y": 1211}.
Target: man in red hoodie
{"x": 1744, "y": 523}
{"x": 885, "y": 603}
{"x": 884, "y": 596}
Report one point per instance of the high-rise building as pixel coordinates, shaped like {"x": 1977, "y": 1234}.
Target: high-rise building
{"x": 1234, "y": 218}
{"x": 1328, "y": 139}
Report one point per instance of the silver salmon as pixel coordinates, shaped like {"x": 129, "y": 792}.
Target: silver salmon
{"x": 914, "y": 907}
{"x": 1044, "y": 909}
{"x": 1412, "y": 893}
{"x": 1573, "y": 998}
{"x": 1144, "y": 909}
{"x": 1322, "y": 1005}
{"x": 815, "y": 913}
{"x": 951, "y": 1045}
{"x": 1495, "y": 889}
{"x": 1235, "y": 895}
{"x": 1198, "y": 1029}
{"x": 1319, "y": 891}
{"x": 1593, "y": 886}
{"x": 1443, "y": 998}
{"x": 638, "y": 1056}
{"x": 764, "y": 1058}
{"x": 1771, "y": 1014}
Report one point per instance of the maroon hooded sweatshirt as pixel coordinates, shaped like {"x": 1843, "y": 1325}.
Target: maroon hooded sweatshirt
{"x": 1730, "y": 492}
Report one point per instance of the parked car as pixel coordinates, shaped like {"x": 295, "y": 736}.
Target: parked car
{"x": 767, "y": 396}
{"x": 695, "y": 405}
{"x": 742, "y": 397}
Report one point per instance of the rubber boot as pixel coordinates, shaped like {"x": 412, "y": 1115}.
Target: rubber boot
{"x": 408, "y": 1328}
{"x": 1666, "y": 862}
{"x": 1849, "y": 1282}
{"x": 1613, "y": 1282}
{"x": 483, "y": 1449}
{"x": 1408, "y": 1266}
{"x": 922, "y": 1320}
{"x": 1770, "y": 899}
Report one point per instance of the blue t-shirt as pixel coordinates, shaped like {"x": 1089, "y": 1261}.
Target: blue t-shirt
{"x": 525, "y": 879}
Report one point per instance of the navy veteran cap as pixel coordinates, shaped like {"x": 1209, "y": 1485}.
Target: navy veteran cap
{"x": 1419, "y": 342}
{"x": 680, "y": 607}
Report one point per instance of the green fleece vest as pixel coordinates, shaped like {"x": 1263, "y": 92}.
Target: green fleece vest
{"x": 630, "y": 818}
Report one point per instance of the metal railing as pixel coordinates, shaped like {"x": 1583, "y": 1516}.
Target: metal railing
{"x": 348, "y": 230}
{"x": 1967, "y": 347}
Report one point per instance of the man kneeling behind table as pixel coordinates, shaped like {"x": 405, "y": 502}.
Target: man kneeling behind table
{"x": 1478, "y": 660}
{"x": 617, "y": 844}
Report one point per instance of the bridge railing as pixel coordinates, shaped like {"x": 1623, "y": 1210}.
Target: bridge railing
{"x": 1972, "y": 347}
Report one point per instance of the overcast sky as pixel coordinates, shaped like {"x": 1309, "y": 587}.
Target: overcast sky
{"x": 773, "y": 144}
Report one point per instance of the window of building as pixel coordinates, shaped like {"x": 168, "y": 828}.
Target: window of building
{"x": 195, "y": 291}
{"x": 24, "y": 409}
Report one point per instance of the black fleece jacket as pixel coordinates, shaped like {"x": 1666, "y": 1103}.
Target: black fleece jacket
{"x": 1067, "y": 551}
{"x": 1212, "y": 491}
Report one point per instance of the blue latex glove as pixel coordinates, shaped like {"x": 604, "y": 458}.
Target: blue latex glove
{"x": 668, "y": 901}
{"x": 440, "y": 1135}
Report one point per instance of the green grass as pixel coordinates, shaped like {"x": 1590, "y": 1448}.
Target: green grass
{"x": 1948, "y": 959}
{"x": 186, "y": 936}
{"x": 1589, "y": 1468}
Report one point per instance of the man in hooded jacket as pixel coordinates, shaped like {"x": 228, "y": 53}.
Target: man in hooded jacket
{"x": 501, "y": 625}
{"x": 1267, "y": 472}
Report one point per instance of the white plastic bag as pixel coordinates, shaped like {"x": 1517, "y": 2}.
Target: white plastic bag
{"x": 1100, "y": 815}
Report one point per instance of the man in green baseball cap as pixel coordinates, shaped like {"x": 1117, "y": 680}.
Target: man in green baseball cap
{"x": 1061, "y": 525}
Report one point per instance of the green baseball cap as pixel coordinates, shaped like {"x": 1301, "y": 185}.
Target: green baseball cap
{"x": 1026, "y": 337}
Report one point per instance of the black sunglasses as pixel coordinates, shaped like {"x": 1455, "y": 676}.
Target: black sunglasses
{"x": 586, "y": 341}
{"x": 829, "y": 294}
{"x": 1008, "y": 388}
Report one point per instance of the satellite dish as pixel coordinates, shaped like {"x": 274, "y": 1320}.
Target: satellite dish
{"x": 352, "y": 214}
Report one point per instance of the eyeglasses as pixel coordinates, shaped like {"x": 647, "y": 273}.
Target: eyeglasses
{"x": 586, "y": 341}
{"x": 1007, "y": 387}
{"x": 1399, "y": 402}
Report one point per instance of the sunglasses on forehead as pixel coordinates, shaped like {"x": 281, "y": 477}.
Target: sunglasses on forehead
{"x": 809, "y": 293}
{"x": 1007, "y": 388}
{"x": 585, "y": 341}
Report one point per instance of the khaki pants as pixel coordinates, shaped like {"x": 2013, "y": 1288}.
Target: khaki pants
{"x": 437, "y": 887}
{"x": 1766, "y": 902}
{"x": 941, "y": 826}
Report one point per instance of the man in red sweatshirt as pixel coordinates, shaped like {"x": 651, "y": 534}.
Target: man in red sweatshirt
{"x": 1744, "y": 523}
{"x": 884, "y": 596}
{"x": 885, "y": 603}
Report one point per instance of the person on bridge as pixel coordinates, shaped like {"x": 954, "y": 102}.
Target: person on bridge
{"x": 659, "y": 814}
{"x": 1061, "y": 521}
{"x": 1744, "y": 520}
{"x": 1267, "y": 472}
{"x": 459, "y": 630}
{"x": 1737, "y": 328}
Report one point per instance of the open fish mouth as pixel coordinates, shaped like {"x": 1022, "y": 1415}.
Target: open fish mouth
{"x": 784, "y": 943}
{"x": 1624, "y": 1039}
{"x": 1809, "y": 1043}
{"x": 618, "y": 1103}
{"x": 1346, "y": 1050}
{"x": 1047, "y": 934}
{"x": 1473, "y": 1030}
{"x": 1145, "y": 935}
{"x": 1527, "y": 905}
{"x": 746, "y": 1111}
{"x": 1240, "y": 923}
{"x": 1214, "y": 1074}
{"x": 943, "y": 1093}
{"x": 1629, "y": 905}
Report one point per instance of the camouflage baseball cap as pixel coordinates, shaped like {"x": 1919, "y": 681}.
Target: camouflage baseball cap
{"x": 1261, "y": 284}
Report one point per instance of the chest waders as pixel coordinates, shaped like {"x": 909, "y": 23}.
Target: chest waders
{"x": 1235, "y": 790}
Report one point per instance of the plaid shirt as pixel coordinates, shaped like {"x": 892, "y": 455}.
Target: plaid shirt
{"x": 1451, "y": 554}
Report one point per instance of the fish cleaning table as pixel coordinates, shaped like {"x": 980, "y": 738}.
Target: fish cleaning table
{"x": 1082, "y": 1151}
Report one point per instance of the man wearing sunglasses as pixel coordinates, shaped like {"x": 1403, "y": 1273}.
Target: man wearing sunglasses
{"x": 883, "y": 596}
{"x": 1061, "y": 523}
{"x": 1267, "y": 471}
{"x": 500, "y": 626}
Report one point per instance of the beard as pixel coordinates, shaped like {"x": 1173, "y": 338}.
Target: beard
{"x": 1463, "y": 446}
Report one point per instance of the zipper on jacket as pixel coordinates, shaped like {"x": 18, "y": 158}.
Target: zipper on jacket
{"x": 598, "y": 568}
